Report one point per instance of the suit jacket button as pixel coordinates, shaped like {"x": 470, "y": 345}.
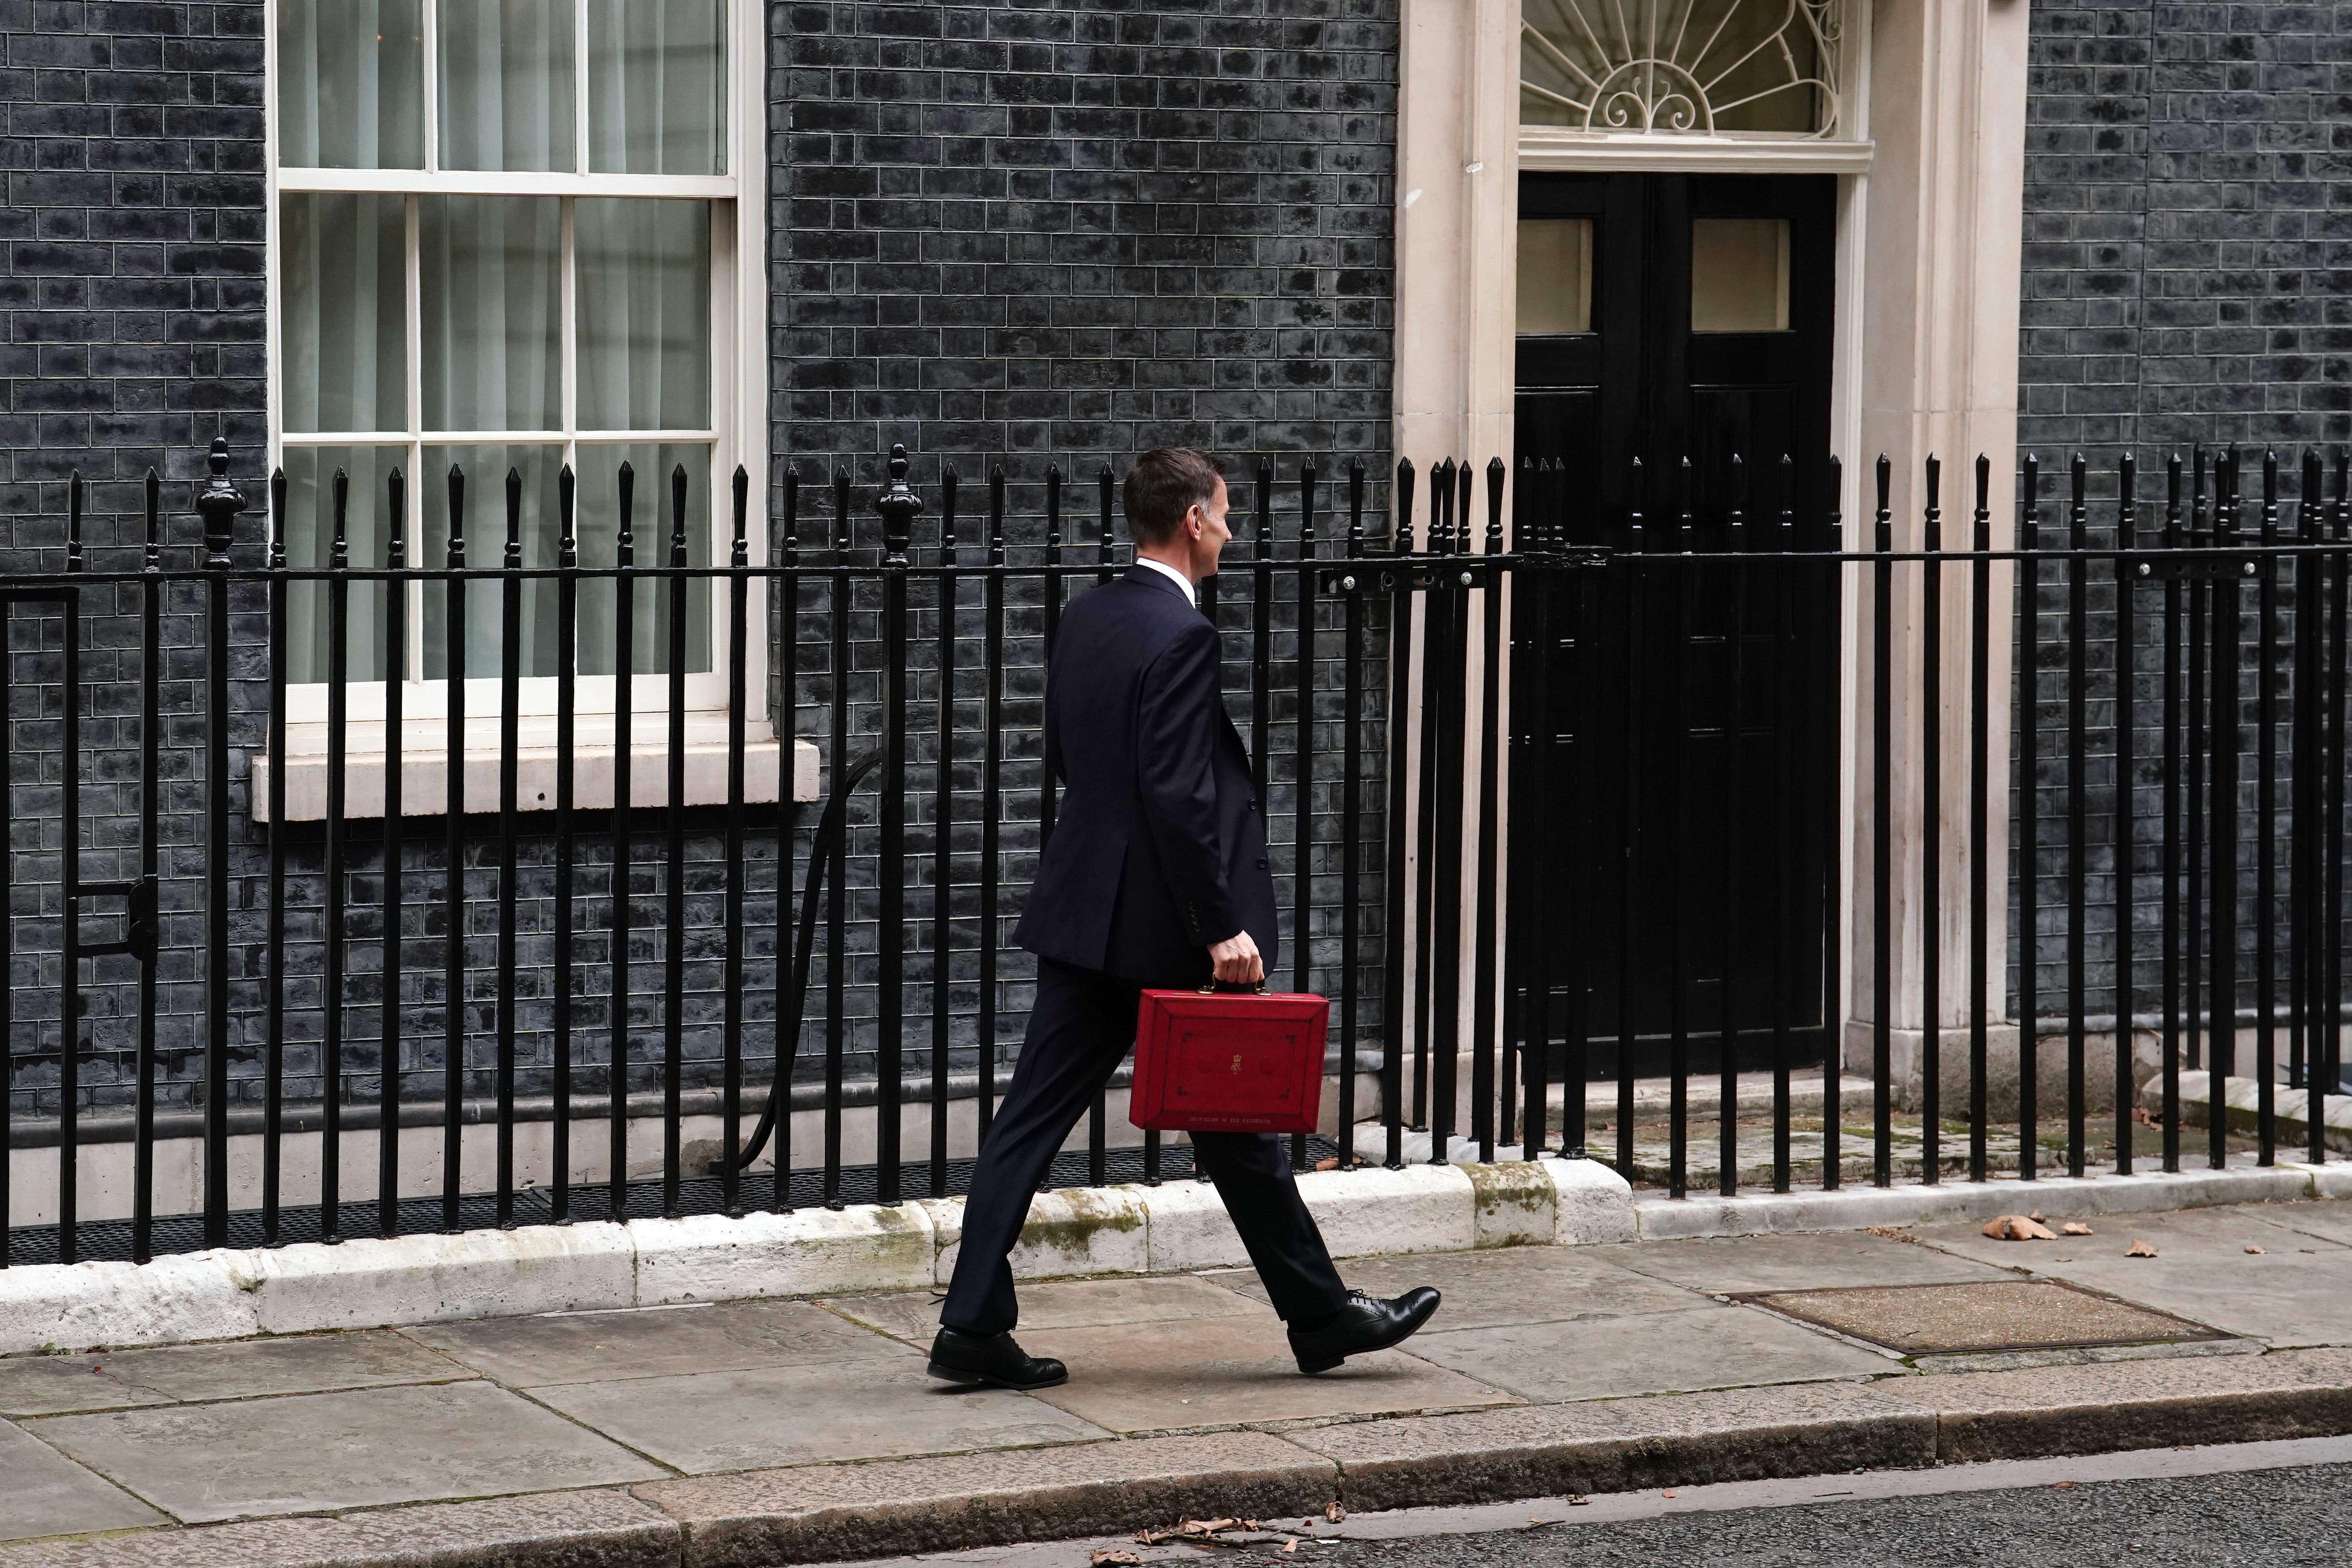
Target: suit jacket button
{"x": 1260, "y": 863}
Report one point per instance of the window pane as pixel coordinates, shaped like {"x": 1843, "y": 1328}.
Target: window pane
{"x": 492, "y": 313}
{"x": 310, "y": 534}
{"x": 1555, "y": 275}
{"x": 644, "y": 314}
{"x": 1739, "y": 275}
{"x": 650, "y": 527}
{"x": 484, "y": 469}
{"x": 506, "y": 84}
{"x": 345, "y": 333}
{"x": 351, "y": 84}
{"x": 656, "y": 86}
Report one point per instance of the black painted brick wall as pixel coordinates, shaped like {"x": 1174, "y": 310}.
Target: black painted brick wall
{"x": 2186, "y": 175}
{"x": 1063, "y": 235}
{"x": 132, "y": 231}
{"x": 1081, "y": 231}
{"x": 1058, "y": 238}
{"x": 133, "y": 292}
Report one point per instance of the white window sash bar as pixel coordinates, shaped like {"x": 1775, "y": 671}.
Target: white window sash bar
{"x": 498, "y": 182}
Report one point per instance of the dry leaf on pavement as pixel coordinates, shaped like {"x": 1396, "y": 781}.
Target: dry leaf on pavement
{"x": 2252, "y": 1247}
{"x": 2074, "y": 1228}
{"x": 2035, "y": 1217}
{"x": 1331, "y": 1164}
{"x": 2139, "y": 1249}
{"x": 1291, "y": 1544}
{"x": 2018, "y": 1227}
{"x": 1334, "y": 1512}
{"x": 1100, "y": 1558}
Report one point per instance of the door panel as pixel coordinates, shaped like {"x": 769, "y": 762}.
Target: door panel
{"x": 1674, "y": 755}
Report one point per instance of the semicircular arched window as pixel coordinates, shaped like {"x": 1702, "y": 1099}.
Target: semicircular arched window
{"x": 1705, "y": 68}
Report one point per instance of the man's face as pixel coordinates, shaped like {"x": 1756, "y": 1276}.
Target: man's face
{"x": 1211, "y": 539}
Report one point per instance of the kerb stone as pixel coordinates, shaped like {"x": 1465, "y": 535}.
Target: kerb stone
{"x": 1623, "y": 1445}
{"x": 712, "y": 1258}
{"x": 170, "y": 1301}
{"x": 831, "y": 1512}
{"x": 374, "y": 1283}
{"x": 1592, "y": 1203}
{"x": 597, "y": 1528}
{"x": 2117, "y": 1405}
{"x": 1186, "y": 1228}
{"x": 1372, "y": 1212}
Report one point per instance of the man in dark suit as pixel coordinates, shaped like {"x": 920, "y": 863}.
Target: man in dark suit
{"x": 1155, "y": 875}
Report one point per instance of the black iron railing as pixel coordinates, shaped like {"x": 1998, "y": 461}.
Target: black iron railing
{"x": 1645, "y": 833}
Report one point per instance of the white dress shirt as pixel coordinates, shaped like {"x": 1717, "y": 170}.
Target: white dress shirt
{"x": 1174, "y": 576}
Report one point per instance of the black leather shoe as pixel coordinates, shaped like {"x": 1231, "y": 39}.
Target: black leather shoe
{"x": 1366, "y": 1323}
{"x": 993, "y": 1360}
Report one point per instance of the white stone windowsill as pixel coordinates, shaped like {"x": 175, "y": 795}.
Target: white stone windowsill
{"x": 425, "y": 767}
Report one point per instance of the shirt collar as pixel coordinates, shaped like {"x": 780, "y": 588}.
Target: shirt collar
{"x": 1174, "y": 576}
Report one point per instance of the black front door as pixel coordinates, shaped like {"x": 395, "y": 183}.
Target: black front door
{"x": 1668, "y": 325}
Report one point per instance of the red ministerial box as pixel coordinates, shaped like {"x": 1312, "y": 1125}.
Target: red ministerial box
{"x": 1229, "y": 1062}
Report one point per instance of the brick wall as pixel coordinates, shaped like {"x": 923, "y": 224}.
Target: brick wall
{"x": 1033, "y": 235}
{"x": 1080, "y": 231}
{"x": 2184, "y": 182}
{"x": 132, "y": 233}
{"x": 1062, "y": 234}
{"x": 131, "y": 281}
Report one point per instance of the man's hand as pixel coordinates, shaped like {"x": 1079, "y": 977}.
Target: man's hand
{"x": 1236, "y": 960}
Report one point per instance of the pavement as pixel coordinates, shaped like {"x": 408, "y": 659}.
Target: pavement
{"x": 775, "y": 1431}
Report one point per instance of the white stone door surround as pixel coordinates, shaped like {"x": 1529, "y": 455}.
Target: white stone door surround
{"x": 1931, "y": 171}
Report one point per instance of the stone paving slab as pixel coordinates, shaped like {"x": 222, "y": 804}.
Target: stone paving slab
{"x": 1621, "y": 1445}
{"x": 2293, "y": 1293}
{"x": 238, "y": 1369}
{"x": 42, "y": 1492}
{"x": 307, "y": 1363}
{"x": 1713, "y": 1347}
{"x": 2138, "y": 1405}
{"x": 832, "y": 1512}
{"x": 1810, "y": 1260}
{"x": 652, "y": 1341}
{"x": 1980, "y": 1315}
{"x": 310, "y": 1452}
{"x": 2328, "y": 1221}
{"x": 1228, "y": 1371}
{"x": 59, "y": 1385}
{"x": 777, "y": 1415}
{"x": 1510, "y": 1285}
{"x": 914, "y": 1315}
{"x": 603, "y": 1529}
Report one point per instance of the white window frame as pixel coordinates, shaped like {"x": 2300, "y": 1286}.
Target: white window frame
{"x": 738, "y": 434}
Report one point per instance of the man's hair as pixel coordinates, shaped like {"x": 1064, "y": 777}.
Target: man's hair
{"x": 1164, "y": 484}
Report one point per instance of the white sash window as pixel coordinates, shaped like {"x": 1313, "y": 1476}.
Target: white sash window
{"x": 514, "y": 235}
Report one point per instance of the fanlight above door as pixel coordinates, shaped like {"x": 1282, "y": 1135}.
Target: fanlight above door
{"x": 1705, "y": 68}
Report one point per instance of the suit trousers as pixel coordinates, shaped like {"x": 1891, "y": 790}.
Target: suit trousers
{"x": 1080, "y": 1027}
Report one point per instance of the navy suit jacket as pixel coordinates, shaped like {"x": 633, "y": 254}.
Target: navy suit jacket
{"x": 1159, "y": 848}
